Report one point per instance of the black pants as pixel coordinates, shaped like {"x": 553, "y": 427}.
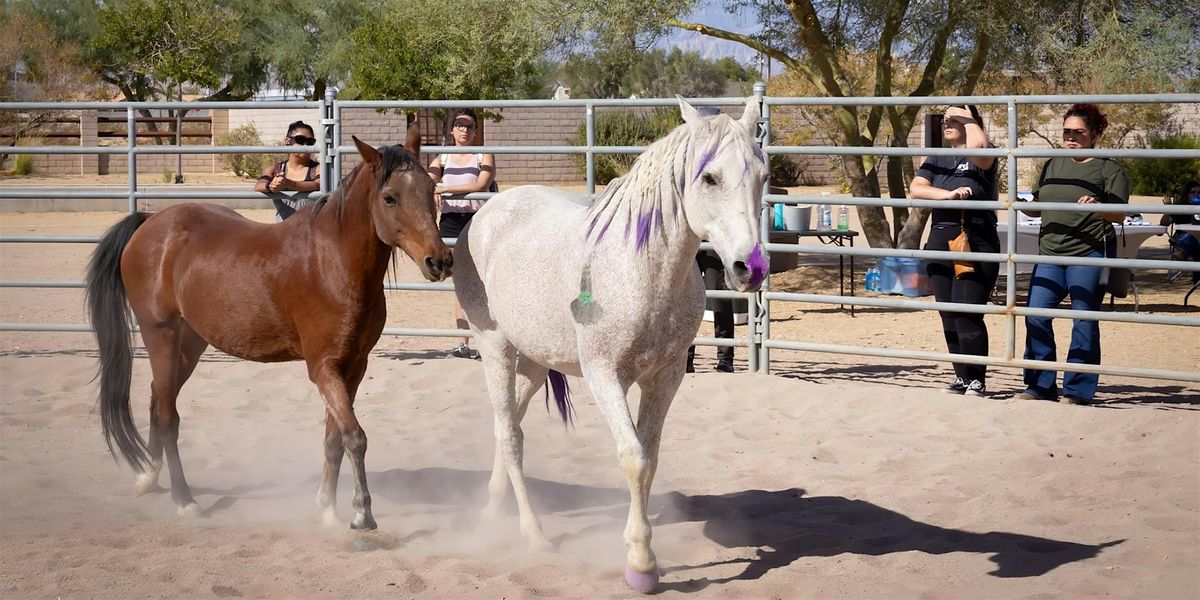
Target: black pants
{"x": 965, "y": 333}
{"x": 714, "y": 279}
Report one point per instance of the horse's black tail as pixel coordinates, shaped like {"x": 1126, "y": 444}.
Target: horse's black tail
{"x": 105, "y": 296}
{"x": 562, "y": 395}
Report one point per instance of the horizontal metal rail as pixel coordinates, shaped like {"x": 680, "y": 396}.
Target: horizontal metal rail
{"x": 983, "y": 360}
{"x": 985, "y": 309}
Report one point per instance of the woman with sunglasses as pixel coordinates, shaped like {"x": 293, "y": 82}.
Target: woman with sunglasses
{"x": 454, "y": 176}
{"x": 962, "y": 178}
{"x": 299, "y": 173}
{"x": 1089, "y": 180}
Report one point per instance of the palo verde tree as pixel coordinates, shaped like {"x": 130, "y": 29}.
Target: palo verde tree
{"x": 819, "y": 41}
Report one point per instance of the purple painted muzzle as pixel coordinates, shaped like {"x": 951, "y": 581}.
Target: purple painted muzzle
{"x": 758, "y": 266}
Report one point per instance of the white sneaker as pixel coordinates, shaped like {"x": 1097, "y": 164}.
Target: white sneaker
{"x": 975, "y": 388}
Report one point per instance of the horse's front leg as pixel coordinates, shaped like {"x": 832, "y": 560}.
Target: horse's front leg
{"x": 337, "y": 387}
{"x": 641, "y": 566}
{"x": 334, "y": 450}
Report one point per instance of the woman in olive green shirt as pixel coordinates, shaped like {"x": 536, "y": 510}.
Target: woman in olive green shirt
{"x": 1077, "y": 181}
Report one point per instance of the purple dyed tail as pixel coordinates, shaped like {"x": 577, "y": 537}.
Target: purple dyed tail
{"x": 562, "y": 395}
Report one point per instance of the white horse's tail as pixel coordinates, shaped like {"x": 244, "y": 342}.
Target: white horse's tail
{"x": 562, "y": 396}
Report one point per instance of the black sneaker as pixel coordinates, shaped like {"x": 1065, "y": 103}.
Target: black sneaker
{"x": 725, "y": 365}
{"x": 975, "y": 388}
{"x": 958, "y": 387}
{"x": 464, "y": 351}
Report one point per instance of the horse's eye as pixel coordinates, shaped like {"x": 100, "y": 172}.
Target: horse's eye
{"x": 389, "y": 200}
{"x": 709, "y": 179}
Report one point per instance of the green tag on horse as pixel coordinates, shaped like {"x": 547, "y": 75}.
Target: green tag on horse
{"x": 585, "y": 297}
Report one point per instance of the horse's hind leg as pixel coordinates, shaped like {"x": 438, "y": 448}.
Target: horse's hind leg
{"x": 191, "y": 347}
{"x": 500, "y": 366}
{"x": 171, "y": 362}
{"x": 529, "y": 378}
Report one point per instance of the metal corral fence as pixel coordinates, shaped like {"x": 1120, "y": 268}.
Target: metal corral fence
{"x": 758, "y": 340}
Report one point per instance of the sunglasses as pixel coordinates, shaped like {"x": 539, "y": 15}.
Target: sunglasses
{"x": 464, "y": 125}
{"x": 302, "y": 140}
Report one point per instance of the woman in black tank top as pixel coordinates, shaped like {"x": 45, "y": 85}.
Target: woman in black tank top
{"x": 299, "y": 173}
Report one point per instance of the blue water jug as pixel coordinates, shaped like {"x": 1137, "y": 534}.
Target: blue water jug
{"x": 779, "y": 217}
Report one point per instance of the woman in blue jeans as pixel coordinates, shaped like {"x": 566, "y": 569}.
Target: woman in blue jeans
{"x": 1077, "y": 181}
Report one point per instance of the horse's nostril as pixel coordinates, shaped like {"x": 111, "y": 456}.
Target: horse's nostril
{"x": 740, "y": 268}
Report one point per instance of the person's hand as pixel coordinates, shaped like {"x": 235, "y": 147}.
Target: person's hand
{"x": 961, "y": 193}
{"x": 958, "y": 113}
{"x": 276, "y": 183}
{"x": 437, "y": 201}
{"x": 1087, "y": 200}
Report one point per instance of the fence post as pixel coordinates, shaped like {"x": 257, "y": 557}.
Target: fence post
{"x": 758, "y": 321}
{"x": 131, "y": 153}
{"x": 1010, "y": 267}
{"x": 328, "y": 142}
{"x": 591, "y": 158}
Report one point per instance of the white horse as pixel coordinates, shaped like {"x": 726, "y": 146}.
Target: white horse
{"x": 610, "y": 293}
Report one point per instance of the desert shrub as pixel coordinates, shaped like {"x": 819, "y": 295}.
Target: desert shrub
{"x": 23, "y": 164}
{"x": 1163, "y": 176}
{"x": 243, "y": 165}
{"x": 623, "y": 128}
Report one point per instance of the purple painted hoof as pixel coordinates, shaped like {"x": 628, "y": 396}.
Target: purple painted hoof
{"x": 639, "y": 581}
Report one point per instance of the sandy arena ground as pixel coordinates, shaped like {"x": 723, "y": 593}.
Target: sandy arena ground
{"x": 841, "y": 477}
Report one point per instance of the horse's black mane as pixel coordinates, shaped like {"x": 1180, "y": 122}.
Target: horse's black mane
{"x": 394, "y": 158}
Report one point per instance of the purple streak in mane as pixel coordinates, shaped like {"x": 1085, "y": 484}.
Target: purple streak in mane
{"x": 644, "y": 225}
{"x": 562, "y": 395}
{"x": 705, "y": 159}
{"x": 758, "y": 266}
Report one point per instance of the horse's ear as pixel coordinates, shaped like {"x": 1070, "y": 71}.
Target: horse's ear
{"x": 690, "y": 115}
{"x": 412, "y": 140}
{"x": 750, "y": 116}
{"x": 368, "y": 152}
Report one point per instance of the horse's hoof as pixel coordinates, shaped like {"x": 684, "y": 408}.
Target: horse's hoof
{"x": 190, "y": 510}
{"x": 542, "y": 545}
{"x": 641, "y": 582}
{"x": 329, "y": 518}
{"x": 145, "y": 483}
{"x": 363, "y": 522}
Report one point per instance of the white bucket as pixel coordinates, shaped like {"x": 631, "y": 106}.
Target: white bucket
{"x": 797, "y": 218}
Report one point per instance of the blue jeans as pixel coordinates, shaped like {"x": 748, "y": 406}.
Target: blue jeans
{"x": 1047, "y": 289}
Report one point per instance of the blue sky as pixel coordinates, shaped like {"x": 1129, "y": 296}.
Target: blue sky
{"x": 713, "y": 13}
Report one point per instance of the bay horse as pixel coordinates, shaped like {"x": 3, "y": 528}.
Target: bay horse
{"x": 610, "y": 293}
{"x": 309, "y": 288}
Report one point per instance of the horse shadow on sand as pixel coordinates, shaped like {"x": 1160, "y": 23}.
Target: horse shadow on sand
{"x": 783, "y": 526}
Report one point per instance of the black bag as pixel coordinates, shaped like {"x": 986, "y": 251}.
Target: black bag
{"x": 1116, "y": 281}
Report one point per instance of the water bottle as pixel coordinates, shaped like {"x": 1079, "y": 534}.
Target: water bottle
{"x": 825, "y": 218}
{"x": 872, "y": 282}
{"x": 843, "y": 218}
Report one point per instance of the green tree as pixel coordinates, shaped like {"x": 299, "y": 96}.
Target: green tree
{"x": 655, "y": 73}
{"x": 477, "y": 49}
{"x": 36, "y": 67}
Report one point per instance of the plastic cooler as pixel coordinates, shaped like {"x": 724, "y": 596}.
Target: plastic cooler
{"x": 904, "y": 276}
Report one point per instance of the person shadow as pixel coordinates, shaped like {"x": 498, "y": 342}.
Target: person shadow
{"x": 783, "y": 526}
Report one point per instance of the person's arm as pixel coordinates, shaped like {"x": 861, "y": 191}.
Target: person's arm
{"x": 976, "y": 136}
{"x": 922, "y": 189}
{"x": 435, "y": 169}
{"x": 269, "y": 181}
{"x": 1116, "y": 191}
{"x": 303, "y": 186}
